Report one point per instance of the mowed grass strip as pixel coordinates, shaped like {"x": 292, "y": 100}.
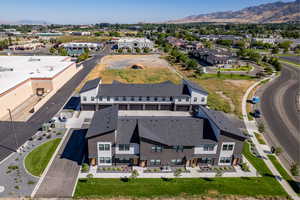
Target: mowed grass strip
{"x": 185, "y": 187}
{"x": 37, "y": 160}
{"x": 284, "y": 174}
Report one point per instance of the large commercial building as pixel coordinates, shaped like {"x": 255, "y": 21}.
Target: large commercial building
{"x": 208, "y": 138}
{"x": 131, "y": 43}
{"x": 186, "y": 96}
{"x": 77, "y": 48}
{"x": 22, "y": 77}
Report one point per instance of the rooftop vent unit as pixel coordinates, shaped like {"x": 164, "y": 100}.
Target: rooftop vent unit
{"x": 4, "y": 69}
{"x": 34, "y": 59}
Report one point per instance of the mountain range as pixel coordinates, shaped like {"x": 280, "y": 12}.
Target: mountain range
{"x": 277, "y": 12}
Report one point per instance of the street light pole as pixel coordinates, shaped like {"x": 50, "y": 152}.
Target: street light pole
{"x": 13, "y": 129}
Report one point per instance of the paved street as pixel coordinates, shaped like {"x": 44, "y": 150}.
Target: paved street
{"x": 279, "y": 108}
{"x": 25, "y": 130}
{"x": 61, "y": 177}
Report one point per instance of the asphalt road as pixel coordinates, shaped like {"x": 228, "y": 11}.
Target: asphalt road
{"x": 24, "y": 130}
{"x": 61, "y": 177}
{"x": 295, "y": 59}
{"x": 280, "y": 110}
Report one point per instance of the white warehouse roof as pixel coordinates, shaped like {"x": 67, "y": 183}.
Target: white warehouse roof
{"x": 16, "y": 69}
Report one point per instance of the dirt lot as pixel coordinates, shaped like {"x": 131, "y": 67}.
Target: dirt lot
{"x": 126, "y": 61}
{"x": 118, "y": 67}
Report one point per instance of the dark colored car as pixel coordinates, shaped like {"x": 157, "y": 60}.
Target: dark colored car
{"x": 256, "y": 113}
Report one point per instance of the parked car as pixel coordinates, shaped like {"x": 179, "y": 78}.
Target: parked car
{"x": 256, "y": 113}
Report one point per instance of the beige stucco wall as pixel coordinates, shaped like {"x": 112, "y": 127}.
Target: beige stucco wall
{"x": 16, "y": 96}
{"x": 40, "y": 83}
{"x": 64, "y": 77}
{"x": 13, "y": 98}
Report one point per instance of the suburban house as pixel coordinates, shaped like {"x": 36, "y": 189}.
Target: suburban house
{"x": 207, "y": 138}
{"x": 214, "y": 56}
{"x": 186, "y": 96}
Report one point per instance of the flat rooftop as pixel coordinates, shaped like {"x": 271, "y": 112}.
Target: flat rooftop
{"x": 16, "y": 69}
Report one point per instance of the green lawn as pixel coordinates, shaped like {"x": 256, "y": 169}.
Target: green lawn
{"x": 284, "y": 174}
{"x": 242, "y": 68}
{"x": 184, "y": 187}
{"x": 37, "y": 160}
{"x": 224, "y": 76}
{"x": 259, "y": 138}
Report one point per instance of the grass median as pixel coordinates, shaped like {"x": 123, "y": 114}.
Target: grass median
{"x": 37, "y": 160}
{"x": 284, "y": 174}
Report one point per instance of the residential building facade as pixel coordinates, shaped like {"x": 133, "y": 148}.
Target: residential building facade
{"x": 186, "y": 96}
{"x": 208, "y": 138}
{"x": 132, "y": 43}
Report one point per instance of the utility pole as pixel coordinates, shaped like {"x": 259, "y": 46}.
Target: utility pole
{"x": 13, "y": 129}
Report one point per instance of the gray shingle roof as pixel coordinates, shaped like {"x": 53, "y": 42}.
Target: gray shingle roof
{"x": 171, "y": 131}
{"x": 125, "y": 130}
{"x": 160, "y": 89}
{"x": 104, "y": 121}
{"x": 195, "y": 86}
{"x": 90, "y": 85}
{"x": 222, "y": 121}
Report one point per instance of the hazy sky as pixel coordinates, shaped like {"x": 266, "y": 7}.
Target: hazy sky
{"x": 114, "y": 11}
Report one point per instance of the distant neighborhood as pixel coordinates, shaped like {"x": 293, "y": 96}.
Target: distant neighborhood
{"x": 154, "y": 110}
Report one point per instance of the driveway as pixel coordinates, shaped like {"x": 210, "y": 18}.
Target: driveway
{"x": 61, "y": 177}
{"x": 22, "y": 131}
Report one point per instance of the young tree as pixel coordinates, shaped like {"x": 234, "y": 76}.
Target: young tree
{"x": 295, "y": 169}
{"x": 261, "y": 127}
{"x": 177, "y": 173}
{"x": 278, "y": 151}
{"x": 89, "y": 177}
{"x": 52, "y": 50}
{"x": 134, "y": 174}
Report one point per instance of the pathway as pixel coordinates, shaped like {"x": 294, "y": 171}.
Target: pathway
{"x": 251, "y": 129}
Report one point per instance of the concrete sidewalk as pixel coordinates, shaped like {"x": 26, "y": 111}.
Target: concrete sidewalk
{"x": 251, "y": 129}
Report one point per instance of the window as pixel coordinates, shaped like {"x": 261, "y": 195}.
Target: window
{"x": 203, "y": 99}
{"x": 208, "y": 147}
{"x": 155, "y": 98}
{"x": 206, "y": 160}
{"x": 100, "y": 98}
{"x": 187, "y": 99}
{"x": 156, "y": 148}
{"x": 108, "y": 98}
{"x": 176, "y": 162}
{"x": 104, "y": 147}
{"x": 225, "y": 160}
{"x": 132, "y": 98}
{"x": 163, "y": 99}
{"x": 84, "y": 98}
{"x": 148, "y": 98}
{"x": 104, "y": 160}
{"x": 116, "y": 98}
{"x": 227, "y": 147}
{"x": 171, "y": 98}
{"x": 195, "y": 99}
{"x": 155, "y": 162}
{"x": 92, "y": 98}
{"x": 124, "y": 98}
{"x": 124, "y": 147}
{"x": 140, "y": 98}
{"x": 179, "y": 99}
{"x": 178, "y": 148}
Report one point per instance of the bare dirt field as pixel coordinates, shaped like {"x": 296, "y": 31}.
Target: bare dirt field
{"x": 126, "y": 61}
{"x": 118, "y": 67}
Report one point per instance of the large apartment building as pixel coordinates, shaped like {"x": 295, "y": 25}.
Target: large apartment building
{"x": 207, "y": 138}
{"x": 186, "y": 96}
